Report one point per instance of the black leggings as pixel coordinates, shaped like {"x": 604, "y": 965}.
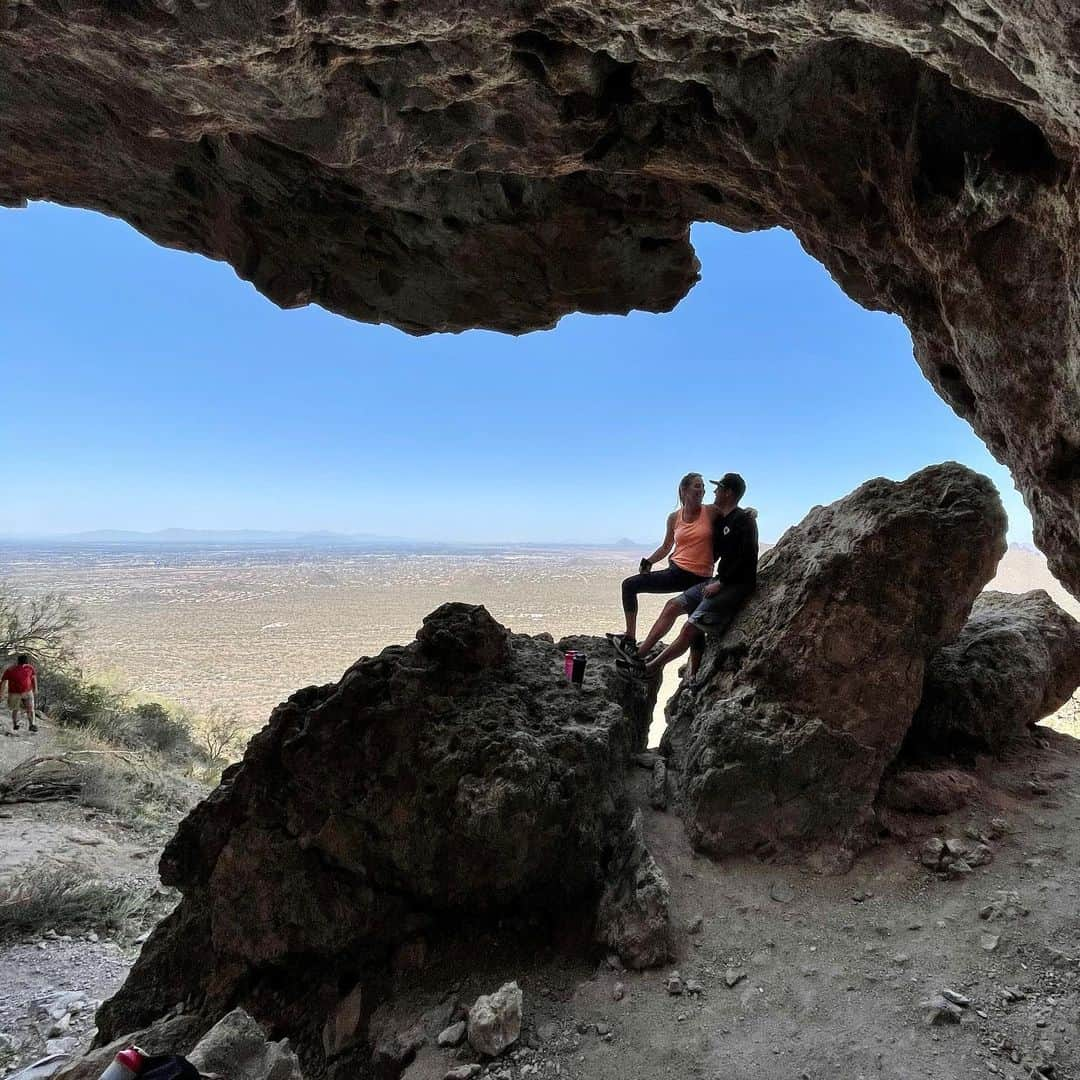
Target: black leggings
{"x": 675, "y": 579}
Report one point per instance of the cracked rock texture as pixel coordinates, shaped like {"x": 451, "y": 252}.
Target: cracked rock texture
{"x": 1016, "y": 661}
{"x": 809, "y": 695}
{"x": 441, "y": 793}
{"x": 441, "y": 166}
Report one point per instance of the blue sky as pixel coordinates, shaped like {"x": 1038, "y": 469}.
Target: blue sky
{"x": 151, "y": 388}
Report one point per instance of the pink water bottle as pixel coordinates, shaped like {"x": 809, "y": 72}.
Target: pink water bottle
{"x": 568, "y": 664}
{"x": 126, "y": 1065}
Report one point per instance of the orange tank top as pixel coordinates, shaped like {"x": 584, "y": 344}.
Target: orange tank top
{"x": 693, "y": 543}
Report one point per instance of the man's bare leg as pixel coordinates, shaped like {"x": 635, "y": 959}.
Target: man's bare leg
{"x": 664, "y": 622}
{"x": 683, "y": 642}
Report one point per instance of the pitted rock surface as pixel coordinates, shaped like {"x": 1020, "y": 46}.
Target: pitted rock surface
{"x": 1016, "y": 661}
{"x": 437, "y": 789}
{"x": 810, "y": 693}
{"x": 440, "y": 166}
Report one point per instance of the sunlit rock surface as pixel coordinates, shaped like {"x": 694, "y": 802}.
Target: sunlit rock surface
{"x": 809, "y": 695}
{"x": 441, "y": 166}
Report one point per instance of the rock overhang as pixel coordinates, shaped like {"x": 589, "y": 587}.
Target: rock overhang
{"x": 441, "y": 168}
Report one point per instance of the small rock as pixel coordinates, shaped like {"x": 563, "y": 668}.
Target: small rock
{"x": 618, "y": 992}
{"x": 602, "y": 1028}
{"x": 941, "y": 1011}
{"x": 989, "y": 942}
{"x": 931, "y": 852}
{"x": 673, "y": 984}
{"x": 463, "y": 1072}
{"x": 695, "y": 924}
{"x": 67, "y": 1045}
{"x": 733, "y": 976}
{"x": 782, "y": 892}
{"x": 998, "y": 828}
{"x": 453, "y": 1035}
{"x": 956, "y": 998}
{"x": 694, "y": 988}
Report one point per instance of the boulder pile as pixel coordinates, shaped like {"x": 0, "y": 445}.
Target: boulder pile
{"x": 810, "y": 694}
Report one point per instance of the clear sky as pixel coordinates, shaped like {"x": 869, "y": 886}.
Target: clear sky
{"x": 150, "y": 389}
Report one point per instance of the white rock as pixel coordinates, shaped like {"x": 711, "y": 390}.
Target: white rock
{"x": 495, "y": 1020}
{"x": 452, "y": 1035}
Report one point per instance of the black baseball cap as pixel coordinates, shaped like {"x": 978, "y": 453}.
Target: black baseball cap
{"x": 733, "y": 482}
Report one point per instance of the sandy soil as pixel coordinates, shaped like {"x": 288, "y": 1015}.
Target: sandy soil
{"x": 829, "y": 973}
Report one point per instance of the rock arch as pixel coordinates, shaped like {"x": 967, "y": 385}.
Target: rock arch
{"x": 444, "y": 166}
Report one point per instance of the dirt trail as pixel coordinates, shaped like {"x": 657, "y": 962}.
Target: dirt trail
{"x": 35, "y": 970}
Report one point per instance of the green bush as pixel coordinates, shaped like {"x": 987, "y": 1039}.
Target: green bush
{"x": 111, "y": 716}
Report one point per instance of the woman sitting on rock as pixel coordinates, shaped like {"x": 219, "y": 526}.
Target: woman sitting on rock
{"x": 690, "y": 533}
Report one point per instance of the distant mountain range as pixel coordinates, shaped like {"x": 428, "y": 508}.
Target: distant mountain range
{"x": 317, "y": 538}
{"x": 224, "y": 536}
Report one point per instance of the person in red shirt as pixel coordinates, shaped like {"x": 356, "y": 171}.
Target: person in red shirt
{"x": 21, "y": 681}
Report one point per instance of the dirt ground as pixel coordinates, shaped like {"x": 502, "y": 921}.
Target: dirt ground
{"x": 827, "y": 973}
{"x": 38, "y": 971}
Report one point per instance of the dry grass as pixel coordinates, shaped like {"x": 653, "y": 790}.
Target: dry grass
{"x": 62, "y": 899}
{"x": 143, "y": 790}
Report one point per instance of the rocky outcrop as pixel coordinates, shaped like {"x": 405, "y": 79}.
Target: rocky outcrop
{"x": 442, "y": 166}
{"x": 439, "y": 790}
{"x": 634, "y": 916}
{"x": 812, "y": 690}
{"x": 1015, "y": 662}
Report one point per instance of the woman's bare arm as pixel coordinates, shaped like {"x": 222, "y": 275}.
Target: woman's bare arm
{"x": 668, "y": 543}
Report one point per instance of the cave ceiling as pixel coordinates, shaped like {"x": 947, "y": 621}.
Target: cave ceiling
{"x": 440, "y": 166}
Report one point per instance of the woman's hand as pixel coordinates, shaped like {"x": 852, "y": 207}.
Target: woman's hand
{"x": 711, "y": 589}
{"x": 644, "y": 567}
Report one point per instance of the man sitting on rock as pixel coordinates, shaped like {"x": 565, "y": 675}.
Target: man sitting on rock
{"x": 711, "y": 605}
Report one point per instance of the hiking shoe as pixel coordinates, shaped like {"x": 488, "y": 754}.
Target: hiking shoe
{"x": 14, "y": 725}
{"x": 33, "y": 729}
{"x": 633, "y": 669}
{"x": 624, "y": 645}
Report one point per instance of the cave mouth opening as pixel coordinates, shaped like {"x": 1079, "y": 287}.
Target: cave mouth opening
{"x": 579, "y": 434}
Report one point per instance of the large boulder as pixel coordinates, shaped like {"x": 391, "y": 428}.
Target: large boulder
{"x": 810, "y": 694}
{"x": 437, "y": 789}
{"x": 1016, "y": 661}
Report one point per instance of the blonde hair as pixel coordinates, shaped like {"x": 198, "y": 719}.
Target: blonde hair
{"x": 685, "y": 482}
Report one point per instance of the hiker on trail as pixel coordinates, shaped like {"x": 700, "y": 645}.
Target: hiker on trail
{"x": 20, "y": 679}
{"x": 711, "y": 606}
{"x": 690, "y": 533}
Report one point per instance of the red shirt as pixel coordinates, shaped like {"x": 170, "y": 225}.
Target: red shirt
{"x": 20, "y": 678}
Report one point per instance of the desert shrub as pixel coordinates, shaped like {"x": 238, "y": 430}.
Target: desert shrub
{"x": 221, "y": 735}
{"x": 166, "y": 731}
{"x": 63, "y": 898}
{"x": 140, "y": 788}
{"x": 110, "y": 715}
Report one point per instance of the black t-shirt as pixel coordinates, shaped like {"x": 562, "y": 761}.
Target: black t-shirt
{"x": 735, "y": 544}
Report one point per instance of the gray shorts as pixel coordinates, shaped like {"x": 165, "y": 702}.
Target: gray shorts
{"x": 714, "y": 614}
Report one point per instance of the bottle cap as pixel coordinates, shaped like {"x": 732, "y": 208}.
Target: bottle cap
{"x": 131, "y": 1058}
